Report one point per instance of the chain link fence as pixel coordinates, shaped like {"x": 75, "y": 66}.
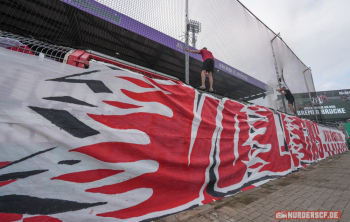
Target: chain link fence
{"x": 143, "y": 32}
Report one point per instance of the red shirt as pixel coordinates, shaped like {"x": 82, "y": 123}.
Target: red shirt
{"x": 206, "y": 54}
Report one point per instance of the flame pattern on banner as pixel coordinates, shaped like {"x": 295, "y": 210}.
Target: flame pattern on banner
{"x": 194, "y": 149}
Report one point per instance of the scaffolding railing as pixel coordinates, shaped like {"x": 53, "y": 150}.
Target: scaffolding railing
{"x": 32, "y": 46}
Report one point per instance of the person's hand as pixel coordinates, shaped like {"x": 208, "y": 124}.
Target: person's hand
{"x": 186, "y": 49}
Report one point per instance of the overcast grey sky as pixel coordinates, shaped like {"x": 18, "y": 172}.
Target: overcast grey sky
{"x": 318, "y": 31}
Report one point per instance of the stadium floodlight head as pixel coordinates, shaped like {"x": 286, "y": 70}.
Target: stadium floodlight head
{"x": 195, "y": 26}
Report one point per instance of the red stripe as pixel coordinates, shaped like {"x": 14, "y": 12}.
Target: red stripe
{"x": 10, "y": 217}
{"x": 255, "y": 166}
{"x": 4, "y": 163}
{"x": 41, "y": 219}
{"x": 248, "y": 188}
{"x": 4, "y": 183}
{"x": 137, "y": 82}
{"x": 121, "y": 105}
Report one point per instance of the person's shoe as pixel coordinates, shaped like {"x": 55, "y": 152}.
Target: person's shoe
{"x": 202, "y": 87}
{"x": 211, "y": 90}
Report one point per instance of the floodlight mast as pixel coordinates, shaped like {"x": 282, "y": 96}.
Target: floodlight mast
{"x": 278, "y": 75}
{"x": 307, "y": 86}
{"x": 187, "y": 65}
{"x": 195, "y": 27}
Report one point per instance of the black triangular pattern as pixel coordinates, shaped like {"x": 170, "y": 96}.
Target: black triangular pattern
{"x": 286, "y": 145}
{"x": 199, "y": 99}
{"x": 257, "y": 147}
{"x": 69, "y": 99}
{"x": 28, "y": 157}
{"x": 114, "y": 68}
{"x": 22, "y": 204}
{"x": 66, "y": 121}
{"x": 96, "y": 86}
{"x": 284, "y": 139}
{"x": 69, "y": 162}
{"x": 20, "y": 175}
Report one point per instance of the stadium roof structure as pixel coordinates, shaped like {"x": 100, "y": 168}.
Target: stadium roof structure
{"x": 89, "y": 25}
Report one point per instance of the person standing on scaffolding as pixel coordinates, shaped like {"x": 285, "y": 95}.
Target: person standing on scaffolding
{"x": 289, "y": 97}
{"x": 208, "y": 66}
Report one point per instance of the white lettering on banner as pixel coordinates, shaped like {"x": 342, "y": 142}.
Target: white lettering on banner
{"x": 179, "y": 45}
{"x": 344, "y": 93}
{"x": 232, "y": 71}
{"x": 226, "y": 68}
{"x": 307, "y": 112}
{"x": 333, "y": 111}
{"x": 321, "y": 109}
{"x": 333, "y": 142}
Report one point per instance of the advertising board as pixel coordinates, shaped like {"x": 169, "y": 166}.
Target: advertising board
{"x": 327, "y": 105}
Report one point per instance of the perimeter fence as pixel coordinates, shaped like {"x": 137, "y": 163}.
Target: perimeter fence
{"x": 152, "y": 34}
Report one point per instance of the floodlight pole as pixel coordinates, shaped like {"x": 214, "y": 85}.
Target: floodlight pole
{"x": 187, "y": 65}
{"x": 278, "y": 75}
{"x": 193, "y": 39}
{"x": 195, "y": 27}
{"x": 307, "y": 86}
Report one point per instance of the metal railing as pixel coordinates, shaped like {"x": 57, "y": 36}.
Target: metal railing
{"x": 32, "y": 46}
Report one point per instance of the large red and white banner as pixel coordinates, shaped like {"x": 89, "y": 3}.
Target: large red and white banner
{"x": 105, "y": 144}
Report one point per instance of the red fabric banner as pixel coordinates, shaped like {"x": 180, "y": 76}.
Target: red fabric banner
{"x": 106, "y": 144}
